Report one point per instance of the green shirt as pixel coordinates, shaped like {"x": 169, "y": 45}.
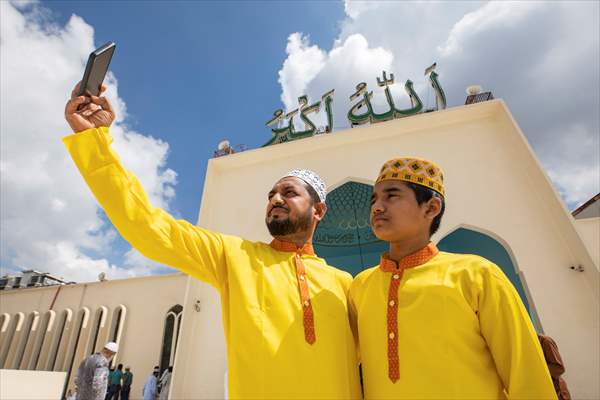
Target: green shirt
{"x": 127, "y": 378}
{"x": 115, "y": 377}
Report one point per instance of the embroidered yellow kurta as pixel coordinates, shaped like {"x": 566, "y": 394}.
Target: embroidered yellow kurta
{"x": 462, "y": 333}
{"x": 268, "y": 354}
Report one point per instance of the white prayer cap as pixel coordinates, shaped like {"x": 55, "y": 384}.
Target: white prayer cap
{"x": 312, "y": 179}
{"x": 112, "y": 347}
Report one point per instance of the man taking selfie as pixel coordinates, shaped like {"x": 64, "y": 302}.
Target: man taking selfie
{"x": 284, "y": 309}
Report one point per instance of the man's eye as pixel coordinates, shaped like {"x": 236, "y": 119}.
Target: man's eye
{"x": 290, "y": 193}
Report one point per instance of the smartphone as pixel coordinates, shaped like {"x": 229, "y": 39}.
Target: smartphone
{"x": 96, "y": 68}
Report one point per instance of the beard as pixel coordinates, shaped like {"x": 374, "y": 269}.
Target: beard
{"x": 287, "y": 226}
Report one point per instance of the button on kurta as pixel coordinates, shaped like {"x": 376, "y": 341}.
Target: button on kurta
{"x": 307, "y": 311}
{"x": 397, "y": 270}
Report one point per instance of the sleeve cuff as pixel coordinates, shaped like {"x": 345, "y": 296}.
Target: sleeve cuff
{"x": 90, "y": 149}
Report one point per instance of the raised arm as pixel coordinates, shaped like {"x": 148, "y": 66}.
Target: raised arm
{"x": 512, "y": 339}
{"x": 150, "y": 230}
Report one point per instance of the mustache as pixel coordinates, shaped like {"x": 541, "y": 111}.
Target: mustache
{"x": 378, "y": 215}
{"x": 282, "y": 207}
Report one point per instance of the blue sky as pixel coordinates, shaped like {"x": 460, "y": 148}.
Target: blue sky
{"x": 188, "y": 74}
{"x": 183, "y": 65}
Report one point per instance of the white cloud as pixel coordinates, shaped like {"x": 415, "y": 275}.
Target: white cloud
{"x": 573, "y": 156}
{"x": 493, "y": 15}
{"x": 137, "y": 263}
{"x": 337, "y": 69}
{"x": 49, "y": 219}
{"x": 354, "y": 8}
{"x": 300, "y": 67}
{"x": 540, "y": 57}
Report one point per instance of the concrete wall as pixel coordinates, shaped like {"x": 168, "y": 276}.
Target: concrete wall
{"x": 591, "y": 211}
{"x": 494, "y": 183}
{"x": 589, "y": 230}
{"x": 201, "y": 359}
{"x": 31, "y": 385}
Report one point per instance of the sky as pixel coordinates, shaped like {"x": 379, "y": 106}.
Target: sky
{"x": 187, "y": 75}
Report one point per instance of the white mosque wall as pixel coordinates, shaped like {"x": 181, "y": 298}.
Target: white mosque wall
{"x": 31, "y": 385}
{"x": 589, "y": 230}
{"x": 40, "y": 347}
{"x": 201, "y": 358}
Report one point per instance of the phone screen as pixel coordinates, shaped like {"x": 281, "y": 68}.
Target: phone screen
{"x": 96, "y": 69}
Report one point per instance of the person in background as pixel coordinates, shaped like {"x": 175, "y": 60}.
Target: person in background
{"x": 110, "y": 373}
{"x": 71, "y": 395}
{"x": 150, "y": 387}
{"x": 127, "y": 381}
{"x": 92, "y": 375}
{"x": 432, "y": 324}
{"x": 165, "y": 382}
{"x": 555, "y": 366}
{"x": 114, "y": 383}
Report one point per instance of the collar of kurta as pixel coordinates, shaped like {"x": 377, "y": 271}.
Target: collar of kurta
{"x": 415, "y": 259}
{"x": 412, "y": 260}
{"x": 291, "y": 247}
{"x": 305, "y": 303}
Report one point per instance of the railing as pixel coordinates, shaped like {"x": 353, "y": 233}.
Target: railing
{"x": 230, "y": 150}
{"x": 480, "y": 97}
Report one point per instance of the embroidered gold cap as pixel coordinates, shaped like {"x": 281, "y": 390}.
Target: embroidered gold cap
{"x": 415, "y": 170}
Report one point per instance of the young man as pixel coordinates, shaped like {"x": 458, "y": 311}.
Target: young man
{"x": 284, "y": 309}
{"x": 150, "y": 390}
{"x": 127, "y": 381}
{"x": 435, "y": 325}
{"x": 114, "y": 383}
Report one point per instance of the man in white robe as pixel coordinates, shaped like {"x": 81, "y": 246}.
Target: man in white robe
{"x": 149, "y": 391}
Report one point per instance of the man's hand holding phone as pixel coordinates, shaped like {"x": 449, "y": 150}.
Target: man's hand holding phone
{"x": 87, "y": 108}
{"x": 85, "y": 112}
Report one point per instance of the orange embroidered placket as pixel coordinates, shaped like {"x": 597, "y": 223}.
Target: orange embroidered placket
{"x": 397, "y": 271}
{"x": 306, "y": 304}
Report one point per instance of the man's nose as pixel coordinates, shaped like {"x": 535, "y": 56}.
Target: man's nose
{"x": 276, "y": 199}
{"x": 376, "y": 208}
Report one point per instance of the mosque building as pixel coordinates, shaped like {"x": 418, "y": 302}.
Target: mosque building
{"x": 500, "y": 204}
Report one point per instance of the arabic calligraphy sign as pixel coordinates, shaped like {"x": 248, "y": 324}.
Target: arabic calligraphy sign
{"x": 288, "y": 133}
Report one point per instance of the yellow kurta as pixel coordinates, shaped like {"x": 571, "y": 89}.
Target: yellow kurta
{"x": 268, "y": 356}
{"x": 463, "y": 333}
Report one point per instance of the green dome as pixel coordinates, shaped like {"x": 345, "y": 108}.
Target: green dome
{"x": 344, "y": 237}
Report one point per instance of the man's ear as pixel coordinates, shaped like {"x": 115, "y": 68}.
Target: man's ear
{"x": 320, "y": 210}
{"x": 433, "y": 207}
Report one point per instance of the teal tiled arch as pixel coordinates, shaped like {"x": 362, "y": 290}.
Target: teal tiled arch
{"x": 468, "y": 241}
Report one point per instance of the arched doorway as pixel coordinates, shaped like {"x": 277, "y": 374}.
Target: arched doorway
{"x": 344, "y": 237}
{"x": 170, "y": 337}
{"x": 469, "y": 241}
